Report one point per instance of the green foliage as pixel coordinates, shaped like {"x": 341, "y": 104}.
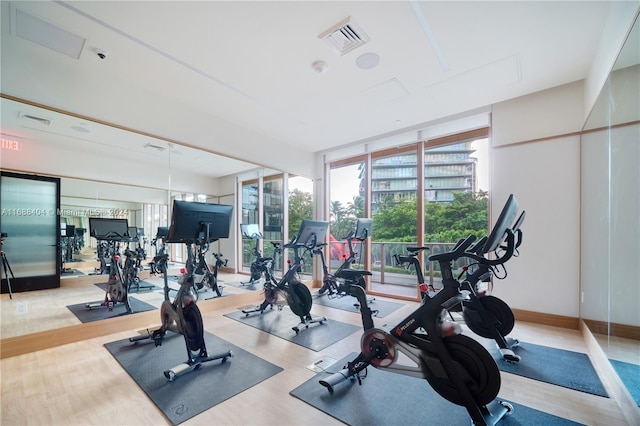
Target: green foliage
{"x": 300, "y": 207}
{"x": 467, "y": 214}
{"x": 395, "y": 221}
{"x": 445, "y": 222}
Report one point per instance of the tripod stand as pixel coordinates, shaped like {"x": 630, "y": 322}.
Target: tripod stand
{"x": 6, "y": 267}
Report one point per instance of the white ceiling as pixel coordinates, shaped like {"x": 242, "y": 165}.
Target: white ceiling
{"x": 235, "y": 78}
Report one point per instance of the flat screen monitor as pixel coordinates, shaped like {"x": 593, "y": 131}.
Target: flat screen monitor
{"x": 363, "y": 229}
{"x": 189, "y": 222}
{"x": 312, "y": 232}
{"x": 108, "y": 229}
{"x": 504, "y": 222}
{"x": 251, "y": 230}
{"x": 71, "y": 230}
{"x": 163, "y": 231}
{"x": 133, "y": 231}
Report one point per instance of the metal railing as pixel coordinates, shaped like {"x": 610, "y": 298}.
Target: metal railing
{"x": 385, "y": 271}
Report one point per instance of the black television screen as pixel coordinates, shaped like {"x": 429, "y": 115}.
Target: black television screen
{"x": 104, "y": 229}
{"x": 310, "y": 229}
{"x": 71, "y": 231}
{"x": 506, "y": 218}
{"x": 363, "y": 228}
{"x": 189, "y": 220}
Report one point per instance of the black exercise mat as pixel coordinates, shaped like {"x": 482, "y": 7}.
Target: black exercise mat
{"x": 196, "y": 391}
{"x": 559, "y": 367}
{"x": 279, "y": 323}
{"x": 348, "y": 303}
{"x": 387, "y": 398}
{"x": 85, "y": 314}
{"x": 144, "y": 287}
{"x": 147, "y": 286}
{"x": 630, "y": 376}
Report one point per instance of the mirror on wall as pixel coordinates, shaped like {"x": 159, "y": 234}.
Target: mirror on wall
{"x": 610, "y": 228}
{"x": 105, "y": 171}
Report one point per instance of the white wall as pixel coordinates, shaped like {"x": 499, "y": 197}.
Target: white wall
{"x": 544, "y": 177}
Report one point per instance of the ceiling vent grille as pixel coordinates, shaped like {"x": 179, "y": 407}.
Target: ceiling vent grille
{"x": 41, "y": 120}
{"x": 46, "y": 34}
{"x": 344, "y": 37}
{"x": 157, "y": 147}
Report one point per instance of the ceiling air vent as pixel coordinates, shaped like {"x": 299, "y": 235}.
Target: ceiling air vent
{"x": 41, "y": 120}
{"x": 344, "y": 37}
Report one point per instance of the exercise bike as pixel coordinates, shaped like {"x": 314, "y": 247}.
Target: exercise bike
{"x": 111, "y": 232}
{"x": 484, "y": 314}
{"x": 259, "y": 264}
{"x": 161, "y": 235}
{"x": 133, "y": 263}
{"x": 192, "y": 223}
{"x": 361, "y": 232}
{"x": 457, "y": 367}
{"x": 330, "y": 281}
{"x": 294, "y": 291}
{"x": 203, "y": 275}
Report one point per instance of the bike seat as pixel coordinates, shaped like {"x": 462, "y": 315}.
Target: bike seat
{"x": 416, "y": 249}
{"x": 352, "y": 274}
{"x": 264, "y": 259}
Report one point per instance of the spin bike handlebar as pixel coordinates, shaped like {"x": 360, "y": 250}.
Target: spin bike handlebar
{"x": 460, "y": 250}
{"x": 294, "y": 244}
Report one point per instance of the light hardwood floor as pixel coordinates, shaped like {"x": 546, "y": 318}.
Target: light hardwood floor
{"x": 80, "y": 383}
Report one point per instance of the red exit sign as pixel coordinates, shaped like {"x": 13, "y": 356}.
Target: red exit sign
{"x": 9, "y": 143}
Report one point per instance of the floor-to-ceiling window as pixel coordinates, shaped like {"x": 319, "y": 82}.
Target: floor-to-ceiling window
{"x": 299, "y": 207}
{"x": 347, "y": 183}
{"x": 426, "y": 193}
{"x": 394, "y": 209}
{"x": 250, "y": 216}
{"x": 273, "y": 216}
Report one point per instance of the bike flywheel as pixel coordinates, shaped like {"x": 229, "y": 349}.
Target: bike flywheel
{"x": 378, "y": 342}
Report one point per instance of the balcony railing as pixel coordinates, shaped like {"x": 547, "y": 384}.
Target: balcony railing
{"x": 385, "y": 271}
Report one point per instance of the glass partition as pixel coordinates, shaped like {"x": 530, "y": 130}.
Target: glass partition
{"x": 610, "y": 224}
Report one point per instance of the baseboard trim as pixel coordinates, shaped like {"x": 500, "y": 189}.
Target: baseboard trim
{"x": 547, "y": 319}
{"x": 613, "y": 329}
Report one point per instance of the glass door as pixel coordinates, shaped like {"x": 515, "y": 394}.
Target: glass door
{"x": 30, "y": 231}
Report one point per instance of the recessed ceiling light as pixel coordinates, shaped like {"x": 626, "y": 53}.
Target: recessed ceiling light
{"x": 368, "y": 61}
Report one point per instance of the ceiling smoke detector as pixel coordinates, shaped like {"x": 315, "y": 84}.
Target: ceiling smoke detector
{"x": 344, "y": 37}
{"x": 320, "y": 67}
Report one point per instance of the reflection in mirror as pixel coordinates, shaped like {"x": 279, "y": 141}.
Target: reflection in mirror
{"x": 610, "y": 210}
{"x": 106, "y": 171}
